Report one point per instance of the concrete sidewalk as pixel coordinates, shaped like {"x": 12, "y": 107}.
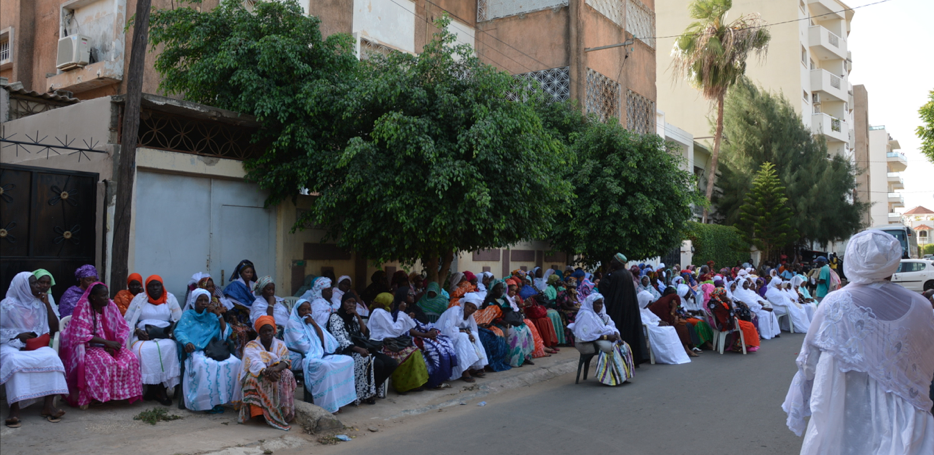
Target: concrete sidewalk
{"x": 110, "y": 428}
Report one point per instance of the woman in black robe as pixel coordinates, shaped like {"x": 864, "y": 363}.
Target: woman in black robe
{"x": 619, "y": 292}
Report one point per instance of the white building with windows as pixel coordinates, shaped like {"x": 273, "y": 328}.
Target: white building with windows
{"x": 886, "y": 163}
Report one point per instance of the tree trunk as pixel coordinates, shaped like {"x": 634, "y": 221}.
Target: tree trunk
{"x": 715, "y": 156}
{"x": 446, "y": 261}
{"x": 431, "y": 266}
{"x": 126, "y": 166}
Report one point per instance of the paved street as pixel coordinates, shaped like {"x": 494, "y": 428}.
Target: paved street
{"x": 715, "y": 405}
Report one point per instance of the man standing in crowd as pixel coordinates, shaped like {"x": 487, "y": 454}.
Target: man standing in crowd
{"x": 619, "y": 292}
{"x": 823, "y": 279}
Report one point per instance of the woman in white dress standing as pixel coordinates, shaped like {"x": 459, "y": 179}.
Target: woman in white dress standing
{"x": 29, "y": 368}
{"x": 866, "y": 365}
{"x": 155, "y": 312}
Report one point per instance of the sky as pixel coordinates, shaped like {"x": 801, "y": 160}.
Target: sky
{"x": 891, "y": 57}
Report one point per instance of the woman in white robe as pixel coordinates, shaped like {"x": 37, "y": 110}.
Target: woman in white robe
{"x": 328, "y": 376}
{"x": 592, "y": 324}
{"x": 782, "y": 305}
{"x": 865, "y": 368}
{"x": 158, "y": 358}
{"x": 663, "y": 340}
{"x": 791, "y": 287}
{"x": 459, "y": 325}
{"x": 267, "y": 303}
{"x": 319, "y": 296}
{"x": 207, "y": 383}
{"x": 768, "y": 322}
{"x": 28, "y": 374}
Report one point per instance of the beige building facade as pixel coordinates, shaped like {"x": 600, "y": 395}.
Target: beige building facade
{"x": 808, "y": 62}
{"x": 886, "y": 163}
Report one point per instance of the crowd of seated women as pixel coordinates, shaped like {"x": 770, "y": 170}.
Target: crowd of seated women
{"x": 246, "y": 347}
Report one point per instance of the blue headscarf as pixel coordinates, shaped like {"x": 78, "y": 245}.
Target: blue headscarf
{"x": 197, "y": 328}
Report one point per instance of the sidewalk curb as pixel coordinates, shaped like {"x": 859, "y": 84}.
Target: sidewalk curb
{"x": 533, "y": 376}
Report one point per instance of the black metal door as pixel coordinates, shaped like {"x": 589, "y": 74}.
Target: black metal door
{"x": 673, "y": 257}
{"x": 47, "y": 220}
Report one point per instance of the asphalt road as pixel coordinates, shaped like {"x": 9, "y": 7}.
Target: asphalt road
{"x": 718, "y": 404}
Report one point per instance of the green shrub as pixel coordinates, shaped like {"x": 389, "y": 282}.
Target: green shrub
{"x": 718, "y": 243}
{"x": 929, "y": 249}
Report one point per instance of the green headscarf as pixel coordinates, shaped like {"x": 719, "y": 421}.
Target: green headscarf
{"x": 437, "y": 304}
{"x": 43, "y": 272}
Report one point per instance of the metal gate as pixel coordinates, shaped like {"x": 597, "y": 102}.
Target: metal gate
{"x": 47, "y": 220}
{"x": 672, "y": 257}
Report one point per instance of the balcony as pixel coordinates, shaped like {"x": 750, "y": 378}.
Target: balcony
{"x": 826, "y": 8}
{"x": 828, "y": 83}
{"x": 896, "y": 161}
{"x": 826, "y": 45}
{"x": 895, "y": 218}
{"x": 832, "y": 128}
{"x": 896, "y": 200}
{"x": 896, "y": 182}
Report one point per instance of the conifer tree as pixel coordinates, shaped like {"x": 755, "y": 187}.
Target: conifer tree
{"x": 765, "y": 218}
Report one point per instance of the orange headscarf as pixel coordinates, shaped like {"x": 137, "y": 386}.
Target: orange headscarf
{"x": 164, "y": 297}
{"x": 135, "y": 277}
{"x": 264, "y": 320}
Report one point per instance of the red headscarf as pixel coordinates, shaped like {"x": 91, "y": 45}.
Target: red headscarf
{"x": 134, "y": 277}
{"x": 469, "y": 275}
{"x": 164, "y": 297}
{"x": 264, "y": 320}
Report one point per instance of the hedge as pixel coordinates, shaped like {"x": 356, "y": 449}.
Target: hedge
{"x": 718, "y": 243}
{"x": 929, "y": 249}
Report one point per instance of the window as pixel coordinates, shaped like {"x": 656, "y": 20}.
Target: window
{"x": 804, "y": 56}
{"x": 922, "y": 234}
{"x": 911, "y": 267}
{"x": 6, "y": 47}
{"x": 806, "y": 97}
{"x": 803, "y": 8}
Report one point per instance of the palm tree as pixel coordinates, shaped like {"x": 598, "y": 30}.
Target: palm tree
{"x": 711, "y": 54}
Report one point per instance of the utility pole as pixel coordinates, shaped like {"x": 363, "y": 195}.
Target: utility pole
{"x": 126, "y": 166}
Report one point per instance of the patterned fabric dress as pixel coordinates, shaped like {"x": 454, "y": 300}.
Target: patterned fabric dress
{"x": 206, "y": 382}
{"x": 363, "y": 366}
{"x": 328, "y": 376}
{"x": 539, "y": 343}
{"x": 275, "y": 401}
{"x": 91, "y": 372}
{"x": 615, "y": 367}
{"x": 412, "y": 372}
{"x": 440, "y": 356}
{"x": 557, "y": 326}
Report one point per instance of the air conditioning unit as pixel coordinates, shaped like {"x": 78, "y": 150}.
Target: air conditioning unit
{"x": 73, "y": 51}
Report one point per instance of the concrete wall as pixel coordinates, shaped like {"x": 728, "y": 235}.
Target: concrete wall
{"x": 861, "y": 147}
{"x": 878, "y": 179}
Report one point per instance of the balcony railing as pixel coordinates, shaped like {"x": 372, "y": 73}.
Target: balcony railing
{"x": 833, "y": 38}
{"x": 895, "y": 155}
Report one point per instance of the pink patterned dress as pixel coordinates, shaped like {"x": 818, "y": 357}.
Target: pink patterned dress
{"x": 91, "y": 372}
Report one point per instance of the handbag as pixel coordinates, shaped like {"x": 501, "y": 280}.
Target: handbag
{"x": 218, "y": 349}
{"x": 156, "y": 333}
{"x": 398, "y": 343}
{"x": 35, "y": 343}
{"x": 512, "y": 318}
{"x": 366, "y": 343}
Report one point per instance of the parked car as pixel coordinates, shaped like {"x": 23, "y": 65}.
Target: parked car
{"x": 915, "y": 274}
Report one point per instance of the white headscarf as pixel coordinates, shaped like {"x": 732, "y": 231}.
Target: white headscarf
{"x": 21, "y": 312}
{"x": 455, "y": 280}
{"x": 645, "y": 298}
{"x": 321, "y": 309}
{"x": 871, "y": 256}
{"x": 193, "y": 296}
{"x": 338, "y": 294}
{"x": 589, "y": 325}
{"x": 302, "y": 337}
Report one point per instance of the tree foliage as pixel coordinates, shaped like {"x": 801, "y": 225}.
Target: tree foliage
{"x": 925, "y": 131}
{"x": 765, "y": 218}
{"x": 631, "y": 196}
{"x": 762, "y": 127}
{"x": 711, "y": 54}
{"x": 718, "y": 243}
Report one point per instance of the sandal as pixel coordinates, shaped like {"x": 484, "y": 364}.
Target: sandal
{"x": 443, "y": 385}
{"x": 13, "y": 422}
{"x": 468, "y": 379}
{"x": 54, "y": 418}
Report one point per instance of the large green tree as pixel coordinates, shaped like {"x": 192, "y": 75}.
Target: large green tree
{"x": 440, "y": 161}
{"x": 765, "y": 218}
{"x": 631, "y": 196}
{"x": 762, "y": 127}
{"x": 711, "y": 54}
{"x": 925, "y": 131}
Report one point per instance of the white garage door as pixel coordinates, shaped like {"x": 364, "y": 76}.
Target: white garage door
{"x": 192, "y": 224}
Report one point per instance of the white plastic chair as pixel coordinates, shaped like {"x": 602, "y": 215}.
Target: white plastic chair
{"x": 290, "y": 302}
{"x": 58, "y": 335}
{"x": 645, "y": 329}
{"x": 791, "y": 325}
{"x": 719, "y": 338}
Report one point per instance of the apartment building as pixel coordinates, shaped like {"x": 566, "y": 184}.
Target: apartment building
{"x": 65, "y": 64}
{"x": 886, "y": 163}
{"x": 808, "y": 62}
